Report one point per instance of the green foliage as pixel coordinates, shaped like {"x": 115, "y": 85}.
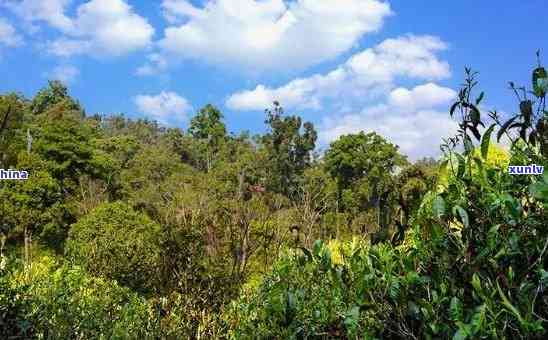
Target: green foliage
{"x": 288, "y": 149}
{"x": 174, "y": 235}
{"x": 12, "y": 108}
{"x": 353, "y": 157}
{"x": 144, "y": 174}
{"x": 209, "y": 130}
{"x": 364, "y": 166}
{"x": 55, "y": 94}
{"x": 311, "y": 297}
{"x": 413, "y": 182}
{"x": 472, "y": 266}
{"x": 67, "y": 144}
{"x": 208, "y": 124}
{"x": 116, "y": 242}
{"x": 61, "y": 302}
{"x": 35, "y": 205}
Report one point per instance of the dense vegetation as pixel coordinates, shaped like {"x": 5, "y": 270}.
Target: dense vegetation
{"x": 127, "y": 229}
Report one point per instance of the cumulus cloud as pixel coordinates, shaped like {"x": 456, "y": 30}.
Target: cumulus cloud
{"x": 8, "y": 35}
{"x": 418, "y": 130}
{"x": 175, "y": 11}
{"x": 268, "y": 34}
{"x": 364, "y": 94}
{"x": 418, "y": 134}
{"x": 165, "y": 107}
{"x": 156, "y": 64}
{"x": 49, "y": 11}
{"x": 305, "y": 93}
{"x": 66, "y": 47}
{"x": 67, "y": 74}
{"x": 365, "y": 75}
{"x": 421, "y": 97}
{"x": 100, "y": 27}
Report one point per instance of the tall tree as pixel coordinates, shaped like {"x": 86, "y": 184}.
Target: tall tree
{"x": 289, "y": 145}
{"x": 12, "y": 108}
{"x": 365, "y": 162}
{"x": 55, "y": 93}
{"x": 210, "y": 130}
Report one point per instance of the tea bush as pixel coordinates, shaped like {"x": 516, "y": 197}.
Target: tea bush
{"x": 119, "y": 243}
{"x": 473, "y": 265}
{"x": 54, "y": 301}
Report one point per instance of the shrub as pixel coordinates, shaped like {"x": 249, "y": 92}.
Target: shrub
{"x": 119, "y": 243}
{"x": 53, "y": 301}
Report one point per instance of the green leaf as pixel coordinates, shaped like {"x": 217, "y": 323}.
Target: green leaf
{"x": 475, "y": 115}
{"x": 459, "y": 335}
{"x": 508, "y": 305}
{"x": 476, "y": 283}
{"x": 539, "y": 190}
{"x": 513, "y": 205}
{"x": 394, "y": 290}
{"x": 543, "y": 276}
{"x": 480, "y": 98}
{"x": 463, "y": 215}
{"x": 462, "y": 333}
{"x": 326, "y": 258}
{"x": 526, "y": 108}
{"x": 413, "y": 309}
{"x": 438, "y": 207}
{"x": 540, "y": 85}
{"x": 462, "y": 166}
{"x": 352, "y": 319}
{"x": 504, "y": 127}
{"x": 453, "y": 108}
{"x": 483, "y": 175}
{"x": 306, "y": 253}
{"x": 317, "y": 247}
{"x": 475, "y": 132}
{"x": 478, "y": 319}
{"x": 455, "y": 309}
{"x": 486, "y": 139}
{"x": 468, "y": 145}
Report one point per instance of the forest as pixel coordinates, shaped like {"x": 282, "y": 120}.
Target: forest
{"x": 127, "y": 229}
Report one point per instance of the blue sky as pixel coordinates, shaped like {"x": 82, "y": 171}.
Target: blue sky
{"x": 346, "y": 65}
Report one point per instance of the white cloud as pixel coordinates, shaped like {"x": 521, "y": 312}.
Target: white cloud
{"x": 166, "y": 107}
{"x": 8, "y": 35}
{"x": 64, "y": 73}
{"x": 364, "y": 94}
{"x": 155, "y": 65}
{"x": 100, "y": 27}
{"x": 417, "y": 133}
{"x": 268, "y": 34}
{"x": 176, "y": 10}
{"x": 409, "y": 56}
{"x": 112, "y": 27}
{"x": 421, "y": 97}
{"x": 304, "y": 93}
{"x": 415, "y": 119}
{"x": 364, "y": 76}
{"x": 66, "y": 47}
{"x": 50, "y": 11}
